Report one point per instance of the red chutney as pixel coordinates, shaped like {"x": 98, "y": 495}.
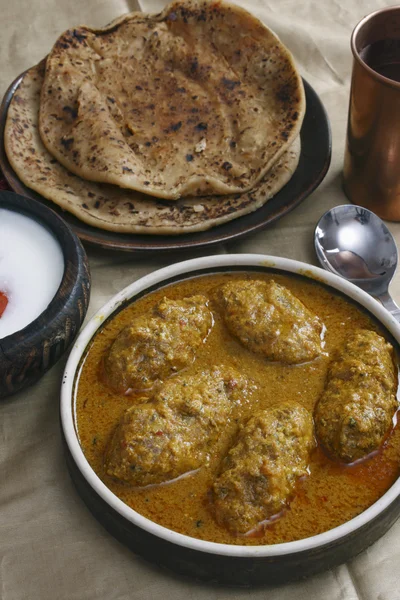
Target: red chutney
{"x": 3, "y": 303}
{"x": 330, "y": 495}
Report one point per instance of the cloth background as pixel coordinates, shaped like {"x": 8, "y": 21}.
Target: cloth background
{"x": 50, "y": 545}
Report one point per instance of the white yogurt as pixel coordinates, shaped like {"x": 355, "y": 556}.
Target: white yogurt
{"x": 31, "y": 269}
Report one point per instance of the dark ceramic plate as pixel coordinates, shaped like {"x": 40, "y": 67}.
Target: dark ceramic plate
{"x": 314, "y": 162}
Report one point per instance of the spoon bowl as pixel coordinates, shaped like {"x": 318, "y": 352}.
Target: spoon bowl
{"x": 354, "y": 243}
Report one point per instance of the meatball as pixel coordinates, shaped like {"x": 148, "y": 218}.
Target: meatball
{"x": 154, "y": 347}
{"x": 173, "y": 434}
{"x": 269, "y": 320}
{"x": 356, "y": 409}
{"x": 259, "y": 473}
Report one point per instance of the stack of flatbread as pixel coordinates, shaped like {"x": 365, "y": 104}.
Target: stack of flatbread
{"x": 161, "y": 124}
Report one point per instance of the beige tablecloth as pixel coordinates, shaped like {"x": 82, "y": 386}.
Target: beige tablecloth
{"x": 50, "y": 545}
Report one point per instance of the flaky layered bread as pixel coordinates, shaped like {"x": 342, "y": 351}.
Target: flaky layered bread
{"x": 107, "y": 206}
{"x": 201, "y": 99}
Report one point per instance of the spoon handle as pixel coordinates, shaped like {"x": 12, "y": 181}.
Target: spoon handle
{"x": 390, "y": 305}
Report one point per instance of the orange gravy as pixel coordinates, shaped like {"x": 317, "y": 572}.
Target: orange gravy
{"x": 332, "y": 494}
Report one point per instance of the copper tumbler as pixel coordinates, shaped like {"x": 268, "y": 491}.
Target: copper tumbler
{"x": 372, "y": 156}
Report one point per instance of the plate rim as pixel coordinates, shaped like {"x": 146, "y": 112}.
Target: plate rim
{"x": 137, "y": 243}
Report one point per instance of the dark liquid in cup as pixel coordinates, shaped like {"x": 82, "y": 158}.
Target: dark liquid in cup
{"x": 384, "y": 58}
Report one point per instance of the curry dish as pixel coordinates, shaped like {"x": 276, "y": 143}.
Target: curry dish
{"x": 268, "y": 414}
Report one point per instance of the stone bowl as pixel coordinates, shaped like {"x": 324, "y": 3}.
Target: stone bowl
{"x": 27, "y": 354}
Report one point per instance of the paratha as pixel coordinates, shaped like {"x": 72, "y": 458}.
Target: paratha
{"x": 200, "y": 99}
{"x": 107, "y": 206}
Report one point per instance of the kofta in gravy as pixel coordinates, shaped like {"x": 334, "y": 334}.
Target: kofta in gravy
{"x": 242, "y": 426}
{"x": 267, "y": 318}
{"x": 356, "y": 409}
{"x": 172, "y": 434}
{"x": 156, "y": 345}
{"x": 260, "y": 471}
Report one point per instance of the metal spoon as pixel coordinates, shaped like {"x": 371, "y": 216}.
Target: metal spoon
{"x": 354, "y": 243}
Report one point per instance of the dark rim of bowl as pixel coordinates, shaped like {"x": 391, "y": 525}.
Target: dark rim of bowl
{"x": 74, "y": 259}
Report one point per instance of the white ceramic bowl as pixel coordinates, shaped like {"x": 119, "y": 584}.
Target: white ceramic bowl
{"x": 238, "y": 565}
